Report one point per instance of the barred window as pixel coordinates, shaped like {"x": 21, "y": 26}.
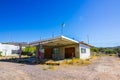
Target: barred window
{"x": 83, "y": 50}
{"x": 56, "y": 51}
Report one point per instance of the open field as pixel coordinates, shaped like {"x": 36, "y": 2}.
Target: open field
{"x": 104, "y": 68}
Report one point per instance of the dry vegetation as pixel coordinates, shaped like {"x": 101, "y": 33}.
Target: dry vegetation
{"x": 95, "y": 68}
{"x": 53, "y": 65}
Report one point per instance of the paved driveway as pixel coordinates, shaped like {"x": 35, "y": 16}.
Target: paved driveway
{"x": 104, "y": 68}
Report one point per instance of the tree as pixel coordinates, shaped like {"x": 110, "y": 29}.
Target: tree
{"x": 117, "y": 50}
{"x": 110, "y": 51}
{"x": 28, "y": 50}
{"x": 94, "y": 49}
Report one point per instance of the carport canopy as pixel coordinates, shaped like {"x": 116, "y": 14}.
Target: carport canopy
{"x": 55, "y": 42}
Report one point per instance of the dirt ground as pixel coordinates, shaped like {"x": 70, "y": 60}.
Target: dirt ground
{"x": 104, "y": 68}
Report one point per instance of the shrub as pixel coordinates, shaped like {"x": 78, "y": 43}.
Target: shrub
{"x": 24, "y": 53}
{"x": 0, "y": 53}
{"x": 29, "y": 51}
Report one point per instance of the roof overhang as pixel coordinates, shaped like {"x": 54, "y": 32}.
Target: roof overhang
{"x": 85, "y": 44}
{"x": 55, "y": 42}
{"x": 17, "y": 43}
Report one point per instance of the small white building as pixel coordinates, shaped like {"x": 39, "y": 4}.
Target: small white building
{"x": 8, "y": 49}
{"x": 84, "y": 50}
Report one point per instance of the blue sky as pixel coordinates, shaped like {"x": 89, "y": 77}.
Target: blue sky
{"x": 30, "y": 20}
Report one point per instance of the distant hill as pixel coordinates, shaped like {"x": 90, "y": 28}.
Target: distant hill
{"x": 109, "y": 47}
{"x": 112, "y": 47}
{"x": 118, "y": 47}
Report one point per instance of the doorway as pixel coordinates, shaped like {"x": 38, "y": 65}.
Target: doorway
{"x": 48, "y": 53}
{"x": 70, "y": 52}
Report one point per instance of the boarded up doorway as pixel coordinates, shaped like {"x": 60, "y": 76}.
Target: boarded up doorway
{"x": 70, "y": 52}
{"x": 48, "y": 53}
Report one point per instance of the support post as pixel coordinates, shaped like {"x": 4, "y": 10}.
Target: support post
{"x": 38, "y": 53}
{"x": 20, "y": 51}
{"x": 37, "y": 49}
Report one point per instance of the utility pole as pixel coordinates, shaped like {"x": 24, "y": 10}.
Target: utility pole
{"x": 63, "y": 25}
{"x": 52, "y": 35}
{"x": 88, "y": 38}
{"x": 40, "y": 38}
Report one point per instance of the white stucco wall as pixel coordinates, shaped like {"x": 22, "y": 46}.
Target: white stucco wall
{"x": 84, "y": 55}
{"x": 7, "y": 49}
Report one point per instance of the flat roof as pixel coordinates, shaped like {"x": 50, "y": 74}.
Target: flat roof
{"x": 17, "y": 43}
{"x": 51, "y": 42}
{"x": 56, "y": 41}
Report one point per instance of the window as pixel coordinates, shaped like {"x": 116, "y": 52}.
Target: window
{"x": 83, "y": 50}
{"x": 56, "y": 50}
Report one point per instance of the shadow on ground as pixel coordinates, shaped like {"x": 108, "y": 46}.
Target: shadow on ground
{"x": 26, "y": 60}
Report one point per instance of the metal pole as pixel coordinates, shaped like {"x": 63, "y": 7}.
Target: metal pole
{"x": 52, "y": 35}
{"x": 20, "y": 50}
{"x": 88, "y": 38}
{"x": 62, "y": 31}
{"x": 63, "y": 24}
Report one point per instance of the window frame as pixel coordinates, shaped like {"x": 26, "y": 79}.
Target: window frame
{"x": 83, "y": 50}
{"x": 56, "y": 50}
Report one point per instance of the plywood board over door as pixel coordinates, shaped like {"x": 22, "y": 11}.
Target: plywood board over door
{"x": 70, "y": 52}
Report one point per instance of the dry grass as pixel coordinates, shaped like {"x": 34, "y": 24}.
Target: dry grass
{"x": 49, "y": 67}
{"x": 112, "y": 54}
{"x": 85, "y": 62}
{"x": 51, "y": 62}
{"x": 76, "y": 61}
{"x": 93, "y": 57}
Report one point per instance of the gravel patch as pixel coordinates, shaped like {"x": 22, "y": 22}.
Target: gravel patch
{"x": 104, "y": 68}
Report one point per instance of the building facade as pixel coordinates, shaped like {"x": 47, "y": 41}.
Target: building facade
{"x": 62, "y": 47}
{"x": 7, "y": 49}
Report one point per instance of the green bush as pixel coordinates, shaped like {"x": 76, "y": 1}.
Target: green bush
{"x": 29, "y": 51}
{"x": 24, "y": 53}
{"x": 0, "y": 53}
